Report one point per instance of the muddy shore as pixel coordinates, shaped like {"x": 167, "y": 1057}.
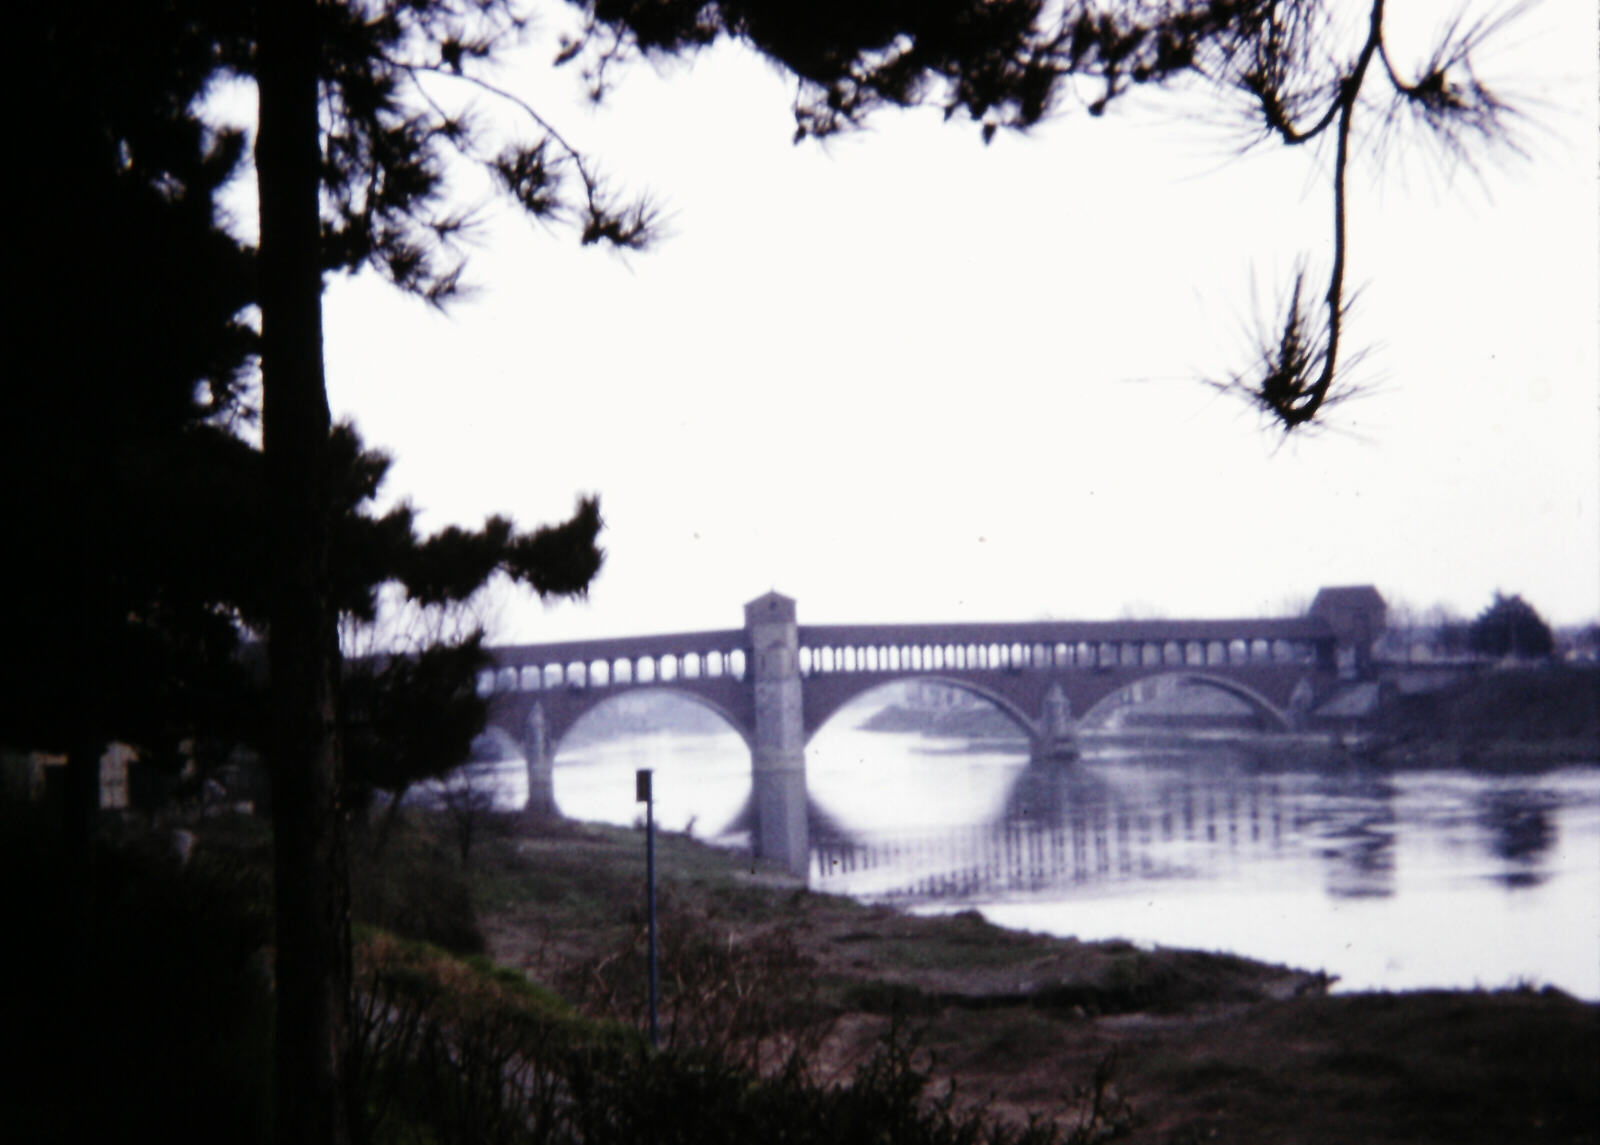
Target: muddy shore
{"x": 1188, "y": 1046}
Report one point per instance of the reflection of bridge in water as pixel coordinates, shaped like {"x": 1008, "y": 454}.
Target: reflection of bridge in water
{"x": 776, "y": 682}
{"x": 1058, "y": 834}
{"x": 1065, "y": 830}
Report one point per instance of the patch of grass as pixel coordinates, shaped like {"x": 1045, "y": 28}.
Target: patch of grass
{"x": 1363, "y": 1063}
{"x": 576, "y": 876}
{"x": 946, "y": 945}
{"x": 1472, "y": 1069}
{"x": 893, "y": 999}
{"x": 412, "y": 889}
{"x": 1130, "y": 980}
{"x": 457, "y": 987}
{"x": 1214, "y": 1073}
{"x": 1016, "y": 1040}
{"x": 454, "y": 1050}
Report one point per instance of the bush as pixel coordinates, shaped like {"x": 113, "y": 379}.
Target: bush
{"x": 753, "y": 1000}
{"x": 474, "y": 1066}
{"x": 157, "y": 1022}
{"x": 409, "y": 888}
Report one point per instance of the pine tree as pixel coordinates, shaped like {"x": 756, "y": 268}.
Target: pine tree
{"x": 1298, "y": 73}
{"x": 1510, "y": 626}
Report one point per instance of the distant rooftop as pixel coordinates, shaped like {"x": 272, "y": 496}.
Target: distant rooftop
{"x": 1347, "y": 596}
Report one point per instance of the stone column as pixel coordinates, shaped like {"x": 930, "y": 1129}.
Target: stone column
{"x": 778, "y": 759}
{"x": 1058, "y": 737}
{"x": 541, "y": 803}
{"x": 1301, "y": 701}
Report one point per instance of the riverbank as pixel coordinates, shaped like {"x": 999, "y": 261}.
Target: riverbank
{"x": 1199, "y": 1047}
{"x": 969, "y": 721}
{"x": 539, "y": 934}
{"x": 1509, "y": 719}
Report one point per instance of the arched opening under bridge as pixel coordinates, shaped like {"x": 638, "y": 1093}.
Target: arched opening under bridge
{"x": 916, "y": 755}
{"x": 1184, "y": 702}
{"x": 700, "y": 758}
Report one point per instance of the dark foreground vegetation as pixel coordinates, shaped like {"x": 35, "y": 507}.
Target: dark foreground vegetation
{"x": 503, "y": 999}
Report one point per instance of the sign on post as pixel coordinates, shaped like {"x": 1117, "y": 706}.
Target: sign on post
{"x": 642, "y": 793}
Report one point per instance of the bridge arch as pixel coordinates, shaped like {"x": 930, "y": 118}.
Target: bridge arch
{"x": 602, "y": 699}
{"x": 1103, "y": 708}
{"x": 1025, "y": 724}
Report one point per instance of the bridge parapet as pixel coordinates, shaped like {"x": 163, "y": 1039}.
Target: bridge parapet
{"x": 1054, "y": 645}
{"x": 620, "y": 662}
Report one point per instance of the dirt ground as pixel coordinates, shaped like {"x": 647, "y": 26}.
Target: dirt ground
{"x": 1163, "y": 1047}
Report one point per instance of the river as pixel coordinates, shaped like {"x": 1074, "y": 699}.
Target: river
{"x": 1386, "y": 880}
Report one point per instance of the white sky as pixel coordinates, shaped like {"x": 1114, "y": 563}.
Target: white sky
{"x": 908, "y": 377}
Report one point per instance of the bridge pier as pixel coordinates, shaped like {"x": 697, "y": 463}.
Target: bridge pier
{"x": 1057, "y": 738}
{"x": 778, "y": 759}
{"x": 541, "y": 805}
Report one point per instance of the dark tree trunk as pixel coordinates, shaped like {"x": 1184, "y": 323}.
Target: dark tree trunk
{"x": 80, "y": 821}
{"x": 95, "y": 615}
{"x": 311, "y": 874}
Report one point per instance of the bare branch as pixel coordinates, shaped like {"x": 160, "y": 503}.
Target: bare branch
{"x": 533, "y": 173}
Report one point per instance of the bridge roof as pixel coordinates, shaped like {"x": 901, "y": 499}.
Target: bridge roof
{"x": 1069, "y": 631}
{"x": 1020, "y": 632}
{"x": 567, "y": 651}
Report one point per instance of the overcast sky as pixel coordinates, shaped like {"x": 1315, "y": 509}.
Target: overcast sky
{"x": 908, "y": 377}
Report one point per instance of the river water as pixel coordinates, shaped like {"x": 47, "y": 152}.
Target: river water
{"x": 1385, "y": 880}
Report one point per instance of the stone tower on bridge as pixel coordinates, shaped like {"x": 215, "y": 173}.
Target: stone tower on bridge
{"x": 778, "y": 750}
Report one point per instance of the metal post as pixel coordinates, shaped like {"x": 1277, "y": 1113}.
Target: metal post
{"x": 645, "y": 795}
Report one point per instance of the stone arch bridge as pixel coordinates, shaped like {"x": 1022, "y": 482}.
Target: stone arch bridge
{"x": 776, "y": 682}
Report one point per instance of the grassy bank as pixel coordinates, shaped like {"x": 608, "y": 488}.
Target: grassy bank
{"x": 1512, "y": 718}
{"x": 506, "y": 995}
{"x": 1199, "y": 1047}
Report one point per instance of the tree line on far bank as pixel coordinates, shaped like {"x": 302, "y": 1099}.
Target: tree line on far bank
{"x": 1509, "y": 626}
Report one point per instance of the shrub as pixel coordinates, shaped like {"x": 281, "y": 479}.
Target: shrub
{"x": 752, "y": 999}
{"x": 157, "y": 1021}
{"x": 409, "y": 888}
{"x": 429, "y": 1068}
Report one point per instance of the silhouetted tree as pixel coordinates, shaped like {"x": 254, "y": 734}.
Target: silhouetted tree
{"x": 410, "y": 718}
{"x": 379, "y": 171}
{"x": 468, "y": 800}
{"x": 1510, "y": 626}
{"x": 1302, "y": 73}
{"x": 124, "y": 366}
{"x": 409, "y": 705}
{"x": 136, "y": 549}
